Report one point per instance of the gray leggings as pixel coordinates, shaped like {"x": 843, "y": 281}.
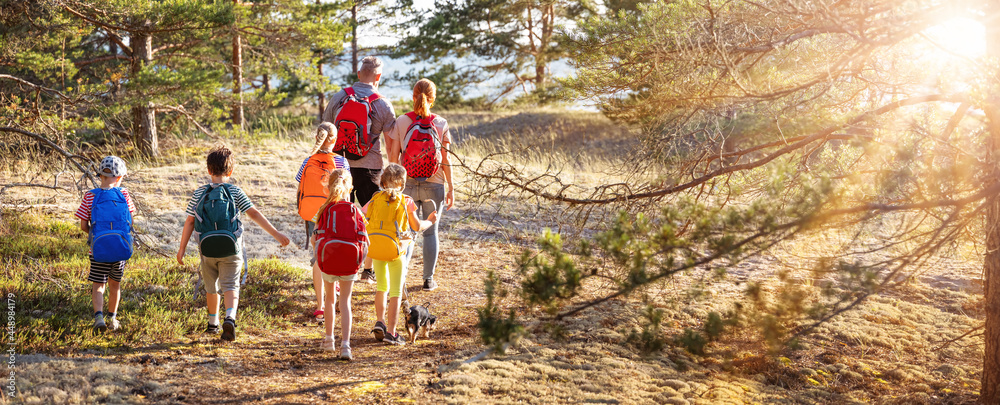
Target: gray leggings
{"x": 429, "y": 197}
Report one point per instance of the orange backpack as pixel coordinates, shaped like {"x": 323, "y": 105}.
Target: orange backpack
{"x": 313, "y": 189}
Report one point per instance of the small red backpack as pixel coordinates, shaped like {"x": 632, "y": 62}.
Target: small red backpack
{"x": 421, "y": 147}
{"x": 341, "y": 239}
{"x": 354, "y": 123}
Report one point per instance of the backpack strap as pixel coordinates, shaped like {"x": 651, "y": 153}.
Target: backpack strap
{"x": 371, "y": 99}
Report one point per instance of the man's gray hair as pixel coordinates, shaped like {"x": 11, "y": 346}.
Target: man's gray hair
{"x": 370, "y": 64}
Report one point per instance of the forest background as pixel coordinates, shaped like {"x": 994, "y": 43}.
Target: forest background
{"x": 774, "y": 201}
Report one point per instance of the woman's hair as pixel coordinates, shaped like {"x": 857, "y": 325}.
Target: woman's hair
{"x": 324, "y": 132}
{"x": 339, "y": 184}
{"x": 424, "y": 93}
{"x": 392, "y": 180}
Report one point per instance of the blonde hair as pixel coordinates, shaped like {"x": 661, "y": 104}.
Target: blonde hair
{"x": 392, "y": 180}
{"x": 339, "y": 184}
{"x": 324, "y": 132}
{"x": 424, "y": 93}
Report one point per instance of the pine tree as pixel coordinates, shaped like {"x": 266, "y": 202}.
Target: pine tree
{"x": 777, "y": 120}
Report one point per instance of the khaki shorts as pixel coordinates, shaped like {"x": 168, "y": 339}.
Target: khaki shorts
{"x": 330, "y": 278}
{"x": 221, "y": 272}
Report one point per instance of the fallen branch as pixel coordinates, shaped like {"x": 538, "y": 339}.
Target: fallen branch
{"x": 49, "y": 143}
{"x": 6, "y": 186}
{"x": 948, "y": 342}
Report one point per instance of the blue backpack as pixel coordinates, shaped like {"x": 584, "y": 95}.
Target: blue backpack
{"x": 110, "y": 226}
{"x": 217, "y": 223}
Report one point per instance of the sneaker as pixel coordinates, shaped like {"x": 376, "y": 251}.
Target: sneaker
{"x": 327, "y": 344}
{"x": 394, "y": 340}
{"x": 99, "y": 324}
{"x": 368, "y": 276}
{"x": 229, "y": 329}
{"x": 212, "y": 329}
{"x": 430, "y": 285}
{"x": 379, "y": 331}
{"x": 114, "y": 324}
{"x": 345, "y": 353}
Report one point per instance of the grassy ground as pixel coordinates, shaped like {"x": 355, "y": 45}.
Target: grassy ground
{"x": 890, "y": 350}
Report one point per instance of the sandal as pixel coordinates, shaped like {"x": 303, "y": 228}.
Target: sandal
{"x": 318, "y": 314}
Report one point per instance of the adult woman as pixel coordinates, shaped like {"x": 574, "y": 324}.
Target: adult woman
{"x": 435, "y": 192}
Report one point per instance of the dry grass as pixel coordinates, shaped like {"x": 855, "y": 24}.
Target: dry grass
{"x": 882, "y": 353}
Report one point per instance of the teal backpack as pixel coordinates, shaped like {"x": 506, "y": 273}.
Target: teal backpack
{"x": 217, "y": 223}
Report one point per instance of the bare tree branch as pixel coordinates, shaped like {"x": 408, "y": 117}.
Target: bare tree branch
{"x": 47, "y": 142}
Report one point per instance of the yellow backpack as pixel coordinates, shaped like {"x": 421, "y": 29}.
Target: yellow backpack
{"x": 386, "y": 224}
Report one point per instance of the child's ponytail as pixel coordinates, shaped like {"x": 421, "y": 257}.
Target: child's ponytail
{"x": 392, "y": 180}
{"x": 339, "y": 185}
{"x": 324, "y": 132}
{"x": 424, "y": 93}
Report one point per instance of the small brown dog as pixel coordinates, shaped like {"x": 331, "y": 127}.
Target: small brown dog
{"x": 417, "y": 318}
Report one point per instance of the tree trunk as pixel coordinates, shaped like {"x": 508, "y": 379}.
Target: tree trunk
{"x": 267, "y": 83}
{"x": 990, "y": 391}
{"x": 321, "y": 97}
{"x": 143, "y": 114}
{"x": 237, "y": 79}
{"x": 541, "y": 60}
{"x": 354, "y": 37}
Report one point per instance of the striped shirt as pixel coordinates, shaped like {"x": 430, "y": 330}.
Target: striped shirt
{"x": 242, "y": 201}
{"x": 88, "y": 204}
{"x": 339, "y": 162}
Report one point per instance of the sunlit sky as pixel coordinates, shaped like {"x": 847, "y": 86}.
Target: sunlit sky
{"x": 962, "y": 36}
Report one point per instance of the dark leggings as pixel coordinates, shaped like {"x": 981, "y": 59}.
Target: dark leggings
{"x": 365, "y": 184}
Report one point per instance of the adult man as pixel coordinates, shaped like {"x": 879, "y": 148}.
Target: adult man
{"x": 381, "y": 120}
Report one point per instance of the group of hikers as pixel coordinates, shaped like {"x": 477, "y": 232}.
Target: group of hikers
{"x": 360, "y": 214}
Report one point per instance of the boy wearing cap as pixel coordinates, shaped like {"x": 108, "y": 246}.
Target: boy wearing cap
{"x": 106, "y": 215}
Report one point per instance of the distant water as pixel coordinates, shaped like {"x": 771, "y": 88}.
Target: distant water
{"x": 395, "y": 89}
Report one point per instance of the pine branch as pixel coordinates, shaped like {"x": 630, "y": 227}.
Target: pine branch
{"x": 180, "y": 110}
{"x": 516, "y": 182}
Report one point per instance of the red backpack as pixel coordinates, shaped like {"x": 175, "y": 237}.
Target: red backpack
{"x": 421, "y": 147}
{"x": 341, "y": 239}
{"x": 354, "y": 122}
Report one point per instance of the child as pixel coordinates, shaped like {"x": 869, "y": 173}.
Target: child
{"x": 214, "y": 212}
{"x": 391, "y": 239}
{"x": 106, "y": 219}
{"x": 341, "y": 244}
{"x": 313, "y": 192}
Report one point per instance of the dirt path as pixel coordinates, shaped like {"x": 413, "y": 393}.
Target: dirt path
{"x": 288, "y": 366}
